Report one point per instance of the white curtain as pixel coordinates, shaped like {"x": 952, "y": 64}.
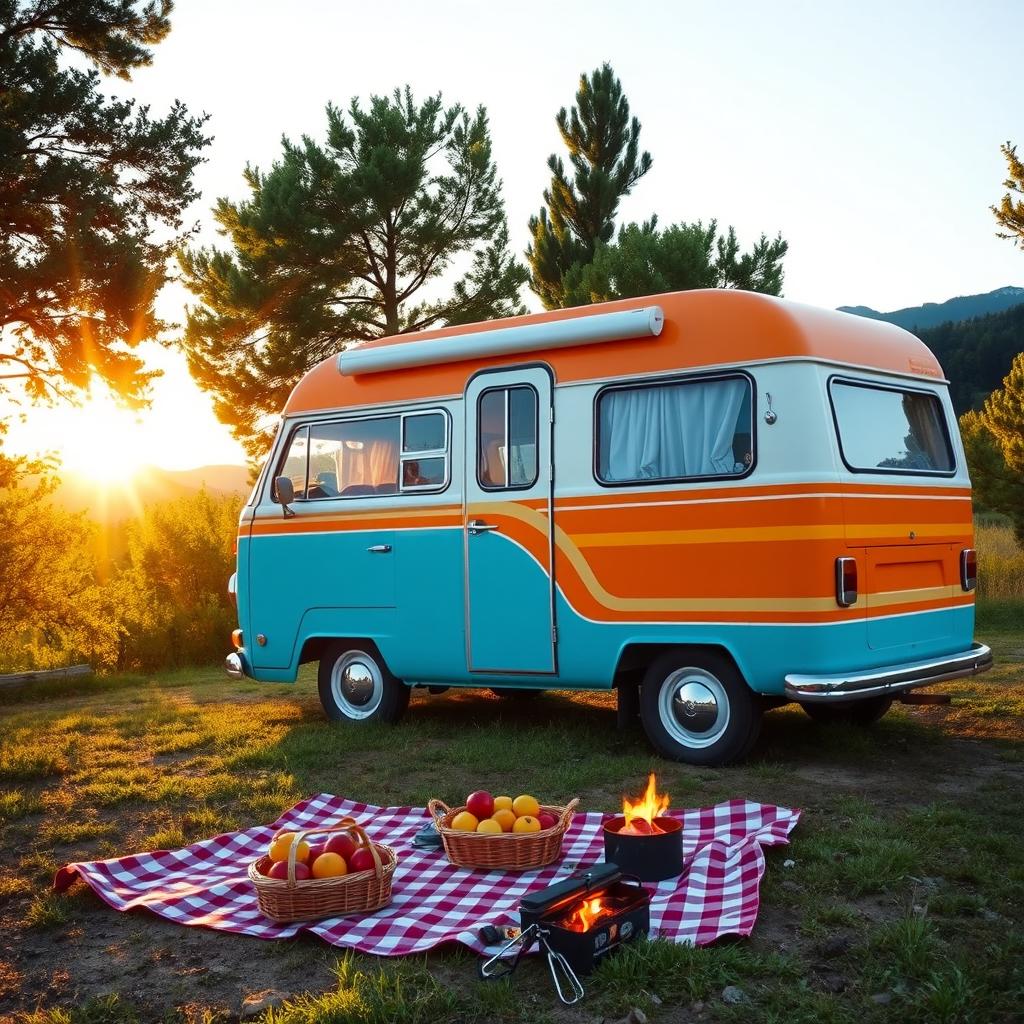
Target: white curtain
{"x": 671, "y": 430}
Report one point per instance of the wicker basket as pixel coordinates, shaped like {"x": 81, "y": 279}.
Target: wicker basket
{"x": 510, "y": 851}
{"x": 289, "y": 899}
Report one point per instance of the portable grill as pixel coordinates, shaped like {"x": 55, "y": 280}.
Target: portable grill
{"x": 577, "y": 922}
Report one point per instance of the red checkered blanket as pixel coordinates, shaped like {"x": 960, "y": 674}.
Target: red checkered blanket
{"x": 434, "y": 902}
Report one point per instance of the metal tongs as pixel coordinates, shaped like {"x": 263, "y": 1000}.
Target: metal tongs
{"x": 562, "y": 974}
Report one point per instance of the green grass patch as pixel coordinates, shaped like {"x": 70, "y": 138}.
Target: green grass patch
{"x": 15, "y": 804}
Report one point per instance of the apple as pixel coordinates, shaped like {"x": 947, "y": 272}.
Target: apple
{"x": 315, "y": 849}
{"x": 361, "y": 860}
{"x": 342, "y": 844}
{"x": 480, "y": 804}
{"x": 279, "y": 869}
{"x": 547, "y": 820}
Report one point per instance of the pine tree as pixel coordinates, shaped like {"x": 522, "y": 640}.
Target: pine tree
{"x": 647, "y": 261}
{"x": 603, "y": 144}
{"x": 1010, "y": 212}
{"x": 344, "y": 241}
{"x": 87, "y": 184}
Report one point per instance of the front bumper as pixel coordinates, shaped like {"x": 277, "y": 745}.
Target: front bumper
{"x": 890, "y": 679}
{"x": 234, "y": 666}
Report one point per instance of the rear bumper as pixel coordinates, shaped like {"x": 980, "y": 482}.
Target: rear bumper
{"x": 890, "y": 679}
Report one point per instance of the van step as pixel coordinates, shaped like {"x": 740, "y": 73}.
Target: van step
{"x": 924, "y": 698}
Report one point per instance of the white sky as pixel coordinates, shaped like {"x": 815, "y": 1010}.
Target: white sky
{"x": 868, "y": 133}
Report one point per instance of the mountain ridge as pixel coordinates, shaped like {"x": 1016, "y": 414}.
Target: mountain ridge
{"x": 955, "y": 310}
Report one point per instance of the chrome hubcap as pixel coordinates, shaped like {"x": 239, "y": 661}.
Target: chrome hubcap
{"x": 356, "y": 684}
{"x": 694, "y": 707}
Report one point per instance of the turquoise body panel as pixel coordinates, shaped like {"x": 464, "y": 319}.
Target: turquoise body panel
{"x": 422, "y": 632}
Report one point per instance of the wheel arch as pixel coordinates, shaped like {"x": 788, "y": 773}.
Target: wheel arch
{"x": 637, "y": 655}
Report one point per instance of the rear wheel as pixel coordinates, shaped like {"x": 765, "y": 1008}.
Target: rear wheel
{"x": 356, "y": 686}
{"x": 697, "y": 708}
{"x": 852, "y": 712}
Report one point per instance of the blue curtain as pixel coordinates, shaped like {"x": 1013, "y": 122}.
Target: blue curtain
{"x": 671, "y": 430}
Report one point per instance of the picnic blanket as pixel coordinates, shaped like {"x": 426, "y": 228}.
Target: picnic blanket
{"x": 434, "y": 902}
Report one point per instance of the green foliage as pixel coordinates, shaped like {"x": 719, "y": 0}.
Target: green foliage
{"x": 338, "y": 242}
{"x": 994, "y": 445}
{"x": 646, "y": 261}
{"x": 1010, "y": 211}
{"x": 603, "y": 143}
{"x": 91, "y": 195}
{"x": 976, "y": 354}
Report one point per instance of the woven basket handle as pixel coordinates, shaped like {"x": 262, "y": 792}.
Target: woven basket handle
{"x": 437, "y": 808}
{"x": 567, "y": 812}
{"x": 348, "y": 825}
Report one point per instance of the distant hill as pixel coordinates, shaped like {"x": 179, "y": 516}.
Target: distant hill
{"x": 932, "y": 314}
{"x": 115, "y": 501}
{"x": 976, "y": 354}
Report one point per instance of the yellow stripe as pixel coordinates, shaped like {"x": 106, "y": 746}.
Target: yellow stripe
{"x": 760, "y": 534}
{"x": 612, "y": 602}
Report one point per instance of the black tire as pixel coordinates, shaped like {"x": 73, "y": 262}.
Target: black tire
{"x": 851, "y": 712}
{"x": 514, "y": 693}
{"x": 368, "y": 693}
{"x": 673, "y": 720}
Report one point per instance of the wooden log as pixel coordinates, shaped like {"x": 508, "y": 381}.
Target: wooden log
{"x": 71, "y": 672}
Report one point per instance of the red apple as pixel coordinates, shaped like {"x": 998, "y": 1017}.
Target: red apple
{"x": 361, "y": 860}
{"x": 342, "y": 844}
{"x": 315, "y": 849}
{"x": 547, "y": 819}
{"x": 280, "y": 870}
{"x": 480, "y": 804}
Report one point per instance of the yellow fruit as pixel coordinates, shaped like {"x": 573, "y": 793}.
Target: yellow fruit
{"x": 525, "y": 805}
{"x": 281, "y": 844}
{"x": 503, "y": 803}
{"x": 329, "y": 865}
{"x": 527, "y": 823}
{"x": 465, "y": 822}
{"x": 489, "y": 825}
{"x": 506, "y": 818}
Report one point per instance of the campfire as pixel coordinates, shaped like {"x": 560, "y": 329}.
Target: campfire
{"x": 640, "y": 816}
{"x": 645, "y": 842}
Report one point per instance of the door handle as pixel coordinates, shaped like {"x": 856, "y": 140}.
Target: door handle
{"x": 379, "y": 549}
{"x": 479, "y": 526}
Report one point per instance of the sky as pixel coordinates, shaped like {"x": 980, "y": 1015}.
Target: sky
{"x": 866, "y": 133}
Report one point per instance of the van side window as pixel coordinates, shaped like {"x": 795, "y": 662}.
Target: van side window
{"x": 507, "y": 438}
{"x": 424, "y": 451}
{"x": 296, "y": 462}
{"x": 890, "y": 430}
{"x": 675, "y": 431}
{"x": 353, "y": 458}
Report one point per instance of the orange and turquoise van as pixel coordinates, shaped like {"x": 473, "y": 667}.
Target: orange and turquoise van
{"x": 713, "y": 501}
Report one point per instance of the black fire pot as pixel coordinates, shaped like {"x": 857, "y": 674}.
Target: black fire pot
{"x": 651, "y": 858}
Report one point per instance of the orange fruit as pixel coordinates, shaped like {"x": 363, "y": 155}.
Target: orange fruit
{"x": 329, "y": 865}
{"x": 527, "y": 823}
{"x": 281, "y": 844}
{"x": 525, "y": 805}
{"x": 489, "y": 825}
{"x": 465, "y": 822}
{"x": 506, "y": 818}
{"x": 503, "y": 803}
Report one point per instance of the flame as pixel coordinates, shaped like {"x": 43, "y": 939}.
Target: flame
{"x": 588, "y": 913}
{"x": 640, "y": 814}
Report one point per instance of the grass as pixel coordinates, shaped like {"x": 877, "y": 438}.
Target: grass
{"x": 910, "y": 854}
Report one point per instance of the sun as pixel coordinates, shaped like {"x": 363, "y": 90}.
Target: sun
{"x": 102, "y": 440}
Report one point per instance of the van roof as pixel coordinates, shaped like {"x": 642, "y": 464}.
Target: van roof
{"x": 707, "y": 327}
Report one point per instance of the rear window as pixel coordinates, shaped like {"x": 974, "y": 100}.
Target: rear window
{"x": 891, "y": 430}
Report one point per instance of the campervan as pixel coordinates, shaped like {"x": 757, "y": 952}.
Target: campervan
{"x": 713, "y": 501}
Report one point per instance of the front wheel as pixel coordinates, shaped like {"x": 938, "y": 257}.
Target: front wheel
{"x": 356, "y": 686}
{"x": 852, "y": 712}
{"x": 697, "y": 708}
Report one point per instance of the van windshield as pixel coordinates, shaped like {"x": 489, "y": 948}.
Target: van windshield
{"x": 890, "y": 430}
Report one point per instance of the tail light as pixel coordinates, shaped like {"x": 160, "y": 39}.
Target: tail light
{"x": 846, "y": 582}
{"x": 969, "y": 569}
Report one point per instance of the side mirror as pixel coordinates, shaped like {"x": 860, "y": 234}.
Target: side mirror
{"x": 284, "y": 493}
